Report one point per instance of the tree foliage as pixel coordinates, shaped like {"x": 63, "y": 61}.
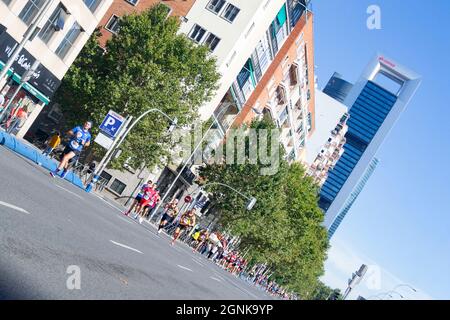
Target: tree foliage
{"x": 146, "y": 65}
{"x": 324, "y": 292}
{"x": 284, "y": 229}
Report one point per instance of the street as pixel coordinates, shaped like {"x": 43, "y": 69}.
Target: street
{"x": 48, "y": 225}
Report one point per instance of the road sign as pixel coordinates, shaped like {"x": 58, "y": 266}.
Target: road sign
{"x": 103, "y": 140}
{"x": 112, "y": 123}
{"x": 187, "y": 199}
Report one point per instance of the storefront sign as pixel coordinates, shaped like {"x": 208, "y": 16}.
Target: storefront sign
{"x": 42, "y": 80}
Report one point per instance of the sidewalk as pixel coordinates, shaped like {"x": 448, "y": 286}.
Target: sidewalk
{"x": 30, "y": 152}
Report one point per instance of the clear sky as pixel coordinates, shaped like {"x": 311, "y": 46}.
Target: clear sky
{"x": 401, "y": 221}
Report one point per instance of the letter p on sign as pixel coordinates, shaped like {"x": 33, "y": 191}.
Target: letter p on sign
{"x": 110, "y": 121}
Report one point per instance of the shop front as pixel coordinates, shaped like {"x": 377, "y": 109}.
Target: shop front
{"x": 24, "y": 101}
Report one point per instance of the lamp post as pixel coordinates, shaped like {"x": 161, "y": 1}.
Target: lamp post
{"x": 390, "y": 294}
{"x": 394, "y": 290}
{"x": 399, "y": 286}
{"x": 186, "y": 164}
{"x": 405, "y": 285}
{"x": 251, "y": 200}
{"x": 120, "y": 138}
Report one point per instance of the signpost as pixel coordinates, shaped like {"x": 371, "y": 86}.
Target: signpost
{"x": 111, "y": 124}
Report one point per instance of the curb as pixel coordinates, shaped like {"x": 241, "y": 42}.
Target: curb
{"x": 34, "y": 155}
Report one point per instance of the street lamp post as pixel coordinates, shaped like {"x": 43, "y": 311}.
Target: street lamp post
{"x": 394, "y": 290}
{"x": 121, "y": 137}
{"x": 389, "y": 294}
{"x": 186, "y": 164}
{"x": 251, "y": 200}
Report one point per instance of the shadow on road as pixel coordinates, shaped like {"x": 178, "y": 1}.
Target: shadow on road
{"x": 12, "y": 288}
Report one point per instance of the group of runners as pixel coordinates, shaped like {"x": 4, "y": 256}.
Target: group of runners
{"x": 144, "y": 202}
{"x": 214, "y": 245}
{"x": 147, "y": 199}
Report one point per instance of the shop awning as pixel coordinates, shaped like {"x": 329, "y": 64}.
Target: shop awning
{"x": 27, "y": 86}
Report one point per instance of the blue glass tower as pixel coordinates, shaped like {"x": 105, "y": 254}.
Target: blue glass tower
{"x": 366, "y": 117}
{"x": 352, "y": 198}
{"x": 373, "y": 109}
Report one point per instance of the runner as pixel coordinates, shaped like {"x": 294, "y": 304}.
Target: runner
{"x": 138, "y": 198}
{"x": 187, "y": 220}
{"x": 170, "y": 212}
{"x": 80, "y": 137}
{"x": 147, "y": 196}
{"x": 149, "y": 204}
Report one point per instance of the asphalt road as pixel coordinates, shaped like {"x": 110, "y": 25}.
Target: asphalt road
{"x": 49, "y": 228}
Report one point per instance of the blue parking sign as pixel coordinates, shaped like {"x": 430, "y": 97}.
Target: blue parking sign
{"x": 112, "y": 123}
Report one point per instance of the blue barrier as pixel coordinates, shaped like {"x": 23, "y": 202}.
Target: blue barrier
{"x": 36, "y": 156}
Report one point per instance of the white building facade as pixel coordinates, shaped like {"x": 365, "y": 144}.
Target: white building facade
{"x": 63, "y": 31}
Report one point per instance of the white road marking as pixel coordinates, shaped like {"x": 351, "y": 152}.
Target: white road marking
{"x": 111, "y": 205}
{"x": 6, "y": 204}
{"x": 126, "y": 247}
{"x": 126, "y": 220}
{"x": 76, "y": 195}
{"x": 219, "y": 277}
{"x": 184, "y": 268}
{"x": 198, "y": 262}
{"x": 215, "y": 279}
{"x": 248, "y": 292}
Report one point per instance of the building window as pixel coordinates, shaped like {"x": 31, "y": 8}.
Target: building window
{"x": 197, "y": 33}
{"x": 133, "y": 2}
{"x": 215, "y": 5}
{"x": 212, "y": 41}
{"x": 113, "y": 24}
{"x": 30, "y": 11}
{"x": 68, "y": 41}
{"x": 309, "y": 121}
{"x": 118, "y": 186}
{"x": 54, "y": 23}
{"x": 106, "y": 177}
{"x": 230, "y": 12}
{"x": 92, "y": 4}
{"x": 55, "y": 113}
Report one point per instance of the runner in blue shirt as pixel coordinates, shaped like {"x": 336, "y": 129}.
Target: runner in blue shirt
{"x": 79, "y": 137}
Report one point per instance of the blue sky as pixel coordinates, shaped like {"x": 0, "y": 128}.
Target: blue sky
{"x": 401, "y": 221}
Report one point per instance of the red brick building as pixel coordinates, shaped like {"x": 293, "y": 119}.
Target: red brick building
{"x": 287, "y": 90}
{"x": 108, "y": 25}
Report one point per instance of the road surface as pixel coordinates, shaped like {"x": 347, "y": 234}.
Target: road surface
{"x": 50, "y": 230}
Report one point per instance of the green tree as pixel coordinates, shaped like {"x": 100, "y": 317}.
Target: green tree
{"x": 324, "y": 292}
{"x": 146, "y": 65}
{"x": 284, "y": 229}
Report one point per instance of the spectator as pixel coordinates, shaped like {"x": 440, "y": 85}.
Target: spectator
{"x": 52, "y": 143}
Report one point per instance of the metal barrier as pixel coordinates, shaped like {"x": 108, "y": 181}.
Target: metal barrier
{"x": 85, "y": 173}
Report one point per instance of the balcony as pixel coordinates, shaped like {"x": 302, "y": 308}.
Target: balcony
{"x": 293, "y": 75}
{"x": 226, "y": 112}
{"x": 281, "y": 95}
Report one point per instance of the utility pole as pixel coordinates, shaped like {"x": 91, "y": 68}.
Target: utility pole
{"x": 355, "y": 280}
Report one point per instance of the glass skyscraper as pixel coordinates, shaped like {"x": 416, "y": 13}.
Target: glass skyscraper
{"x": 352, "y": 198}
{"x": 373, "y": 109}
{"x": 366, "y": 117}
{"x": 338, "y": 88}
